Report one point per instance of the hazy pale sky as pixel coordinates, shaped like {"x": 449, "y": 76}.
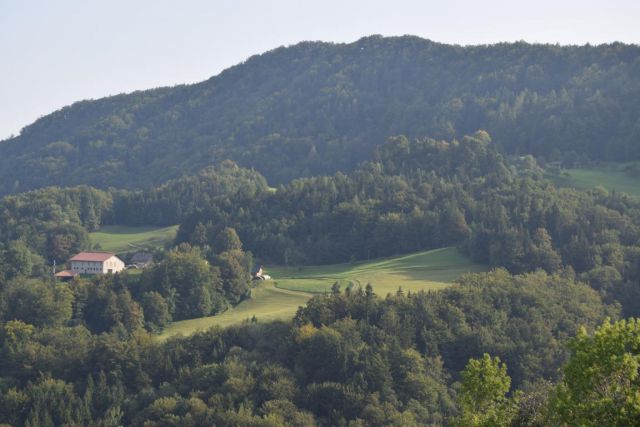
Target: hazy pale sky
{"x": 57, "y": 52}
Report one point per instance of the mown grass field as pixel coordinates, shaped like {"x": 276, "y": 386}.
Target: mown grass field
{"x": 291, "y": 287}
{"x": 266, "y": 303}
{"x": 118, "y": 238}
{"x": 611, "y": 177}
{"x": 427, "y": 270}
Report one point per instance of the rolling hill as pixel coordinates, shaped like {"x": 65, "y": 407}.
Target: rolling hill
{"x": 316, "y": 108}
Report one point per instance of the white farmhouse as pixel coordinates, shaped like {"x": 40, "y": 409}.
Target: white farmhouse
{"x": 96, "y": 263}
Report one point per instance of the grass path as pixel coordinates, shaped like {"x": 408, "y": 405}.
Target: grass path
{"x": 292, "y": 287}
{"x": 119, "y": 238}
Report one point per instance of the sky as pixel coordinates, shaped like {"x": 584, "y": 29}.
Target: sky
{"x": 57, "y": 52}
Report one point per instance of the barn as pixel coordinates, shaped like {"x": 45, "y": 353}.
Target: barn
{"x": 96, "y": 263}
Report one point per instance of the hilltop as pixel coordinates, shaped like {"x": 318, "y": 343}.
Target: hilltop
{"x": 317, "y": 108}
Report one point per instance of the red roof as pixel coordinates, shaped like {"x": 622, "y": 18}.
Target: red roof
{"x": 92, "y": 256}
{"x": 67, "y": 273}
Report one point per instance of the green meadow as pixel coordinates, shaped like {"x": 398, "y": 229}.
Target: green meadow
{"x": 266, "y": 303}
{"x": 119, "y": 238}
{"x": 612, "y": 177}
{"x": 427, "y": 270}
{"x": 291, "y": 287}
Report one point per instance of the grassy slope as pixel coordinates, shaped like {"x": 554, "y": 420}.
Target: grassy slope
{"x": 419, "y": 271}
{"x": 117, "y": 238}
{"x": 292, "y": 287}
{"x": 611, "y": 177}
{"x": 266, "y": 303}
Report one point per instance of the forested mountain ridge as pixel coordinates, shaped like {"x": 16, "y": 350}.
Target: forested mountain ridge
{"x": 316, "y": 108}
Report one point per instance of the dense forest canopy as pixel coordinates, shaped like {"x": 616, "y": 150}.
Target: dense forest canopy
{"x": 497, "y": 348}
{"x": 414, "y": 195}
{"x": 317, "y": 108}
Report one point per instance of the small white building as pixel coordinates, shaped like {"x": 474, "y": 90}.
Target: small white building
{"x": 96, "y": 263}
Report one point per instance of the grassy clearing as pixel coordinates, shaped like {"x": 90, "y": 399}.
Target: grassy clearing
{"x": 433, "y": 269}
{"x": 611, "y": 177}
{"x": 292, "y": 287}
{"x": 118, "y": 238}
{"x": 266, "y": 303}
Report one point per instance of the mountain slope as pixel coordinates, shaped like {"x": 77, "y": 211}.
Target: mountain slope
{"x": 320, "y": 107}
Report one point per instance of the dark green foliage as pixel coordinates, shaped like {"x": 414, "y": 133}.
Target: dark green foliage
{"x": 416, "y": 195}
{"x": 482, "y": 398}
{"x": 497, "y": 313}
{"x": 17, "y": 260}
{"x": 35, "y": 302}
{"x": 420, "y": 200}
{"x": 27, "y": 352}
{"x": 54, "y": 403}
{"x": 601, "y": 384}
{"x": 316, "y": 108}
{"x": 227, "y": 240}
{"x": 348, "y": 358}
{"x": 425, "y": 194}
{"x": 191, "y": 285}
{"x": 105, "y": 304}
{"x": 156, "y": 311}
{"x": 78, "y": 353}
{"x": 235, "y": 274}
{"x": 65, "y": 241}
{"x": 51, "y": 222}
{"x": 170, "y": 202}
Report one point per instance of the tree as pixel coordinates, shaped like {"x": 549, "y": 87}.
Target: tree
{"x": 601, "y": 384}
{"x": 542, "y": 253}
{"x": 199, "y": 235}
{"x": 227, "y": 240}
{"x": 132, "y": 314}
{"x": 13, "y": 403}
{"x": 156, "y": 311}
{"x": 65, "y": 240}
{"x": 235, "y": 274}
{"x": 37, "y": 303}
{"x": 17, "y": 260}
{"x": 54, "y": 402}
{"x": 482, "y": 399}
{"x": 187, "y": 276}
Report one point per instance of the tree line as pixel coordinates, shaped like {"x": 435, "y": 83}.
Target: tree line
{"x": 348, "y": 358}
